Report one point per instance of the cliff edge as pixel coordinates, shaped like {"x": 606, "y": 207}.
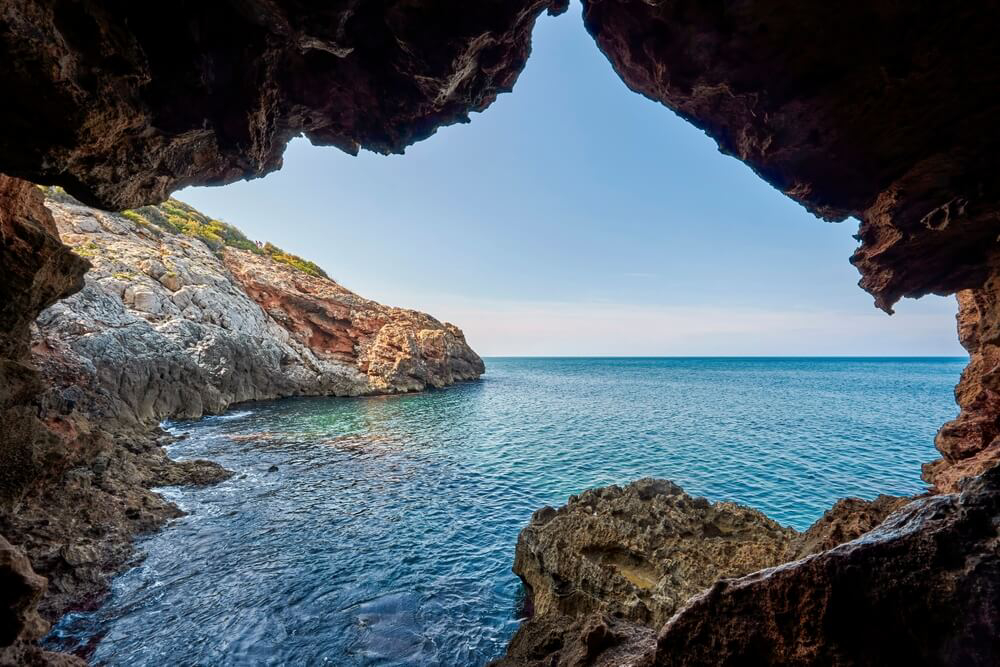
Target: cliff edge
{"x": 179, "y": 315}
{"x": 182, "y": 315}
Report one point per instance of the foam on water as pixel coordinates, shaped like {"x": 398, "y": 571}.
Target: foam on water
{"x": 387, "y": 534}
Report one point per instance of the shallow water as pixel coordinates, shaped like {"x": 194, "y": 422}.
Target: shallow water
{"x": 386, "y": 535}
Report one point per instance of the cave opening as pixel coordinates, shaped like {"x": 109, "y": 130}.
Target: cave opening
{"x": 844, "y": 132}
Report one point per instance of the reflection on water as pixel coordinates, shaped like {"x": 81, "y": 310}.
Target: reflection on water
{"x": 386, "y": 534}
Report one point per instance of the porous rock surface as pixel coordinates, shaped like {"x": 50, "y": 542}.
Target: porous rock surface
{"x": 640, "y": 551}
{"x": 970, "y": 444}
{"x": 123, "y": 103}
{"x": 604, "y": 572}
{"x": 170, "y": 329}
{"x": 921, "y": 589}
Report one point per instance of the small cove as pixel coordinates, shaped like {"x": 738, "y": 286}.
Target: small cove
{"x": 386, "y": 534}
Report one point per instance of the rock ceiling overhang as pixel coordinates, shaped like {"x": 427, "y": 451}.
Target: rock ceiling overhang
{"x": 880, "y": 110}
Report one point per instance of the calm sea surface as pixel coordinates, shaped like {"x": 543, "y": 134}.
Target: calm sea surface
{"x": 386, "y": 535}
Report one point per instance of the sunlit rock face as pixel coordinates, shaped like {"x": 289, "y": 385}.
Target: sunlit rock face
{"x": 124, "y": 102}
{"x": 387, "y": 350}
{"x": 170, "y": 327}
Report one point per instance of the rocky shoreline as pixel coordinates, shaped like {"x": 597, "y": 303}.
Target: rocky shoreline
{"x": 174, "y": 320}
{"x": 605, "y": 571}
{"x": 167, "y": 326}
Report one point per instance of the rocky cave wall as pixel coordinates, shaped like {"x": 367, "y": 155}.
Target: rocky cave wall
{"x": 124, "y": 102}
{"x": 882, "y": 110}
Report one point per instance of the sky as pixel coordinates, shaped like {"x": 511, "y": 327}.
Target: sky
{"x": 575, "y": 217}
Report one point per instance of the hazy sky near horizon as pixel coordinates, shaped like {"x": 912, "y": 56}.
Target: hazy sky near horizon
{"x": 575, "y": 217}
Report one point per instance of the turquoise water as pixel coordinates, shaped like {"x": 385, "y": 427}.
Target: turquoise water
{"x": 386, "y": 535}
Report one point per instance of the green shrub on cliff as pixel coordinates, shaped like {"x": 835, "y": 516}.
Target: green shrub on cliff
{"x": 177, "y": 217}
{"x": 294, "y": 261}
{"x": 56, "y": 193}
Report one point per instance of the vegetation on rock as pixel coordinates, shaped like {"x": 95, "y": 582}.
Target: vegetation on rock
{"x": 176, "y": 217}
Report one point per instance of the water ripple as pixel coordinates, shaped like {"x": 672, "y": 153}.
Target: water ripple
{"x": 386, "y": 535}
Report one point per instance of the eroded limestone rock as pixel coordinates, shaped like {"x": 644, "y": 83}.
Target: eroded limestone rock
{"x": 604, "y": 572}
{"x": 921, "y": 589}
{"x": 639, "y": 552}
{"x": 20, "y": 623}
{"x": 970, "y": 444}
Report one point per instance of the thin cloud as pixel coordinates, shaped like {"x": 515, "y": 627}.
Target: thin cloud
{"x": 599, "y": 328}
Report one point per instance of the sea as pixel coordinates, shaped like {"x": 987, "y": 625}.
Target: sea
{"x": 381, "y": 530}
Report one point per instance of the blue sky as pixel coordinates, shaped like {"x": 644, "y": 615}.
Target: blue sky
{"x": 575, "y": 217}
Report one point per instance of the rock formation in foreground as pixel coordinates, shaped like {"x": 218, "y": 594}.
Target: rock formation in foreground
{"x": 610, "y": 568}
{"x": 923, "y": 588}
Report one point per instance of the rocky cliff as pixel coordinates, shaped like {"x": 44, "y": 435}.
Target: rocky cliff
{"x": 175, "y": 320}
{"x": 172, "y": 321}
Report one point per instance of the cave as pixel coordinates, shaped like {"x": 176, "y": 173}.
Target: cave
{"x": 882, "y": 112}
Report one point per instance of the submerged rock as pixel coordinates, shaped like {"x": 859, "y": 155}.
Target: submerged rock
{"x": 614, "y": 564}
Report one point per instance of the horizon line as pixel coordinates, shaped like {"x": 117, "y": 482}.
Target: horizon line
{"x": 723, "y": 356}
